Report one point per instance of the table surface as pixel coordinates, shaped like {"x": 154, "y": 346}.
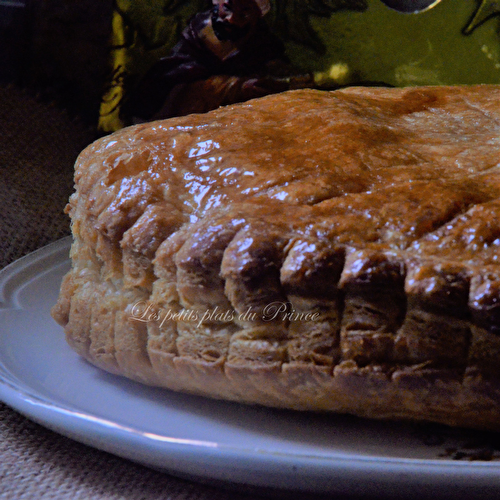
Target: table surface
{"x": 38, "y": 146}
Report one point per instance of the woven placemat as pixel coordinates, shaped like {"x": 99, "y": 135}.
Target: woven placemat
{"x": 38, "y": 146}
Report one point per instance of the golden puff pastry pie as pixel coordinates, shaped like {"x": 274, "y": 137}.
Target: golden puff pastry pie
{"x": 333, "y": 251}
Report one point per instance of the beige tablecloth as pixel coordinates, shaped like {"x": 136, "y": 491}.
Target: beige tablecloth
{"x": 38, "y": 146}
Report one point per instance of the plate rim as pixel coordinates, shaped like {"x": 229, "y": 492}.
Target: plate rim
{"x": 91, "y": 429}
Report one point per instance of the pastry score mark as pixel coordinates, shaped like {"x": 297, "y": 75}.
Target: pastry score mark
{"x": 149, "y": 312}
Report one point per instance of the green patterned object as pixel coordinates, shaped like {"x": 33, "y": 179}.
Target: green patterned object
{"x": 340, "y": 42}
{"x": 454, "y": 42}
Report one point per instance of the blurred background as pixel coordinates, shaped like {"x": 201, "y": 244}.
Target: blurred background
{"x": 57, "y": 49}
{"x": 74, "y": 52}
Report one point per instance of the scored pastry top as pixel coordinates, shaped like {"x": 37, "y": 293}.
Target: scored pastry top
{"x": 411, "y": 171}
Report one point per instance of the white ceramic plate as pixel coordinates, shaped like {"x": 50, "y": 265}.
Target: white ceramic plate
{"x": 214, "y": 440}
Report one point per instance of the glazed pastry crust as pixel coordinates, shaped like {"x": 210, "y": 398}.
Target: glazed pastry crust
{"x": 312, "y": 250}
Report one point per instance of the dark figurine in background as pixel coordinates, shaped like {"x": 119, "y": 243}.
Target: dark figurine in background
{"x": 226, "y": 55}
